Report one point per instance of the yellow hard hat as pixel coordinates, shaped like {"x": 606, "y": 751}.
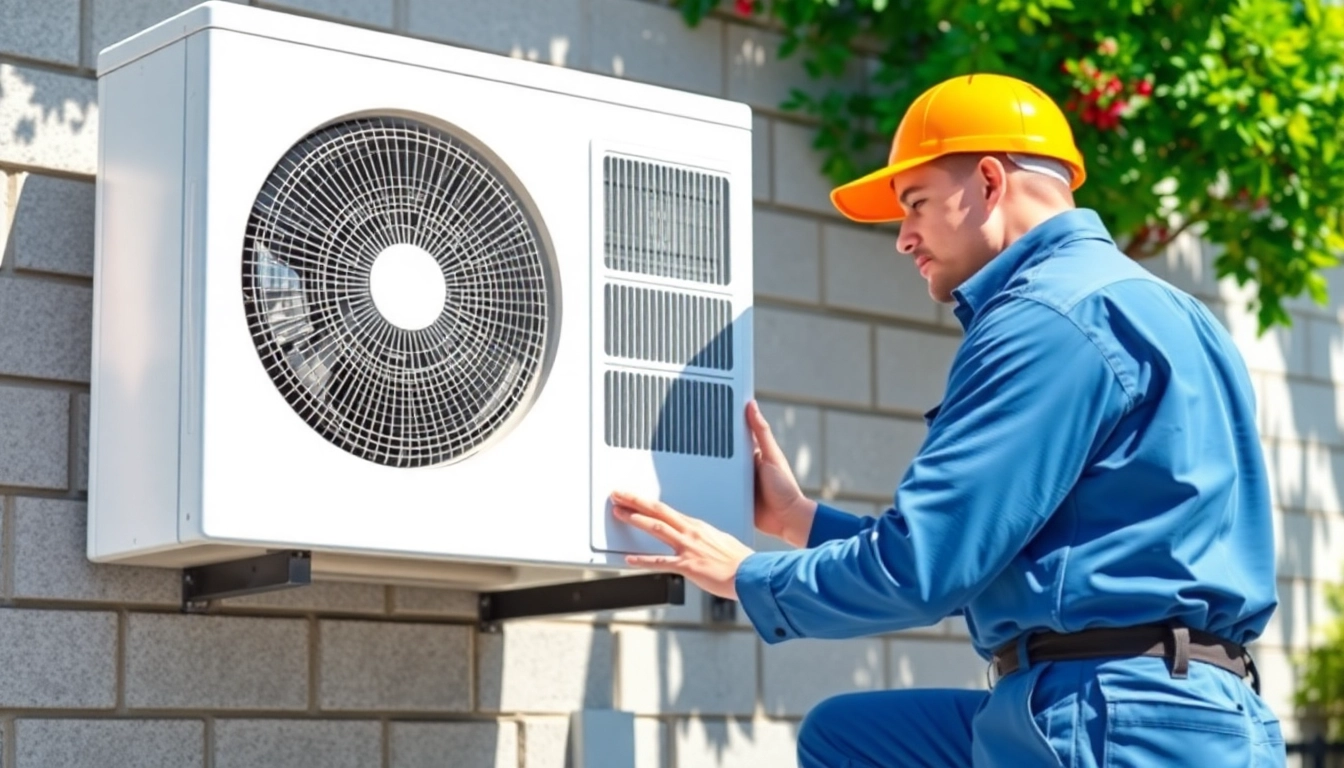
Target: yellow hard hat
{"x": 969, "y": 113}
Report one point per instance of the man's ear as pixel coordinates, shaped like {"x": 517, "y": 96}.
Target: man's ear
{"x": 990, "y": 175}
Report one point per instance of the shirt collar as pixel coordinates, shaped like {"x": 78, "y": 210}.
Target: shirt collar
{"x": 1030, "y": 249}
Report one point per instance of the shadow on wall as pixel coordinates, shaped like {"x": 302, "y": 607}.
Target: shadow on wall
{"x": 33, "y": 103}
{"x": 1299, "y": 421}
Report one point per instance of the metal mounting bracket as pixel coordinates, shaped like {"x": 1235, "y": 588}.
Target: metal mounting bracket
{"x": 249, "y": 576}
{"x": 580, "y": 597}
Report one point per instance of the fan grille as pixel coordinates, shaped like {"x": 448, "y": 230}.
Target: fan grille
{"x": 336, "y": 202}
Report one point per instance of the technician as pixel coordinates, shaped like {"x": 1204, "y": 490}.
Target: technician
{"x": 1090, "y": 496}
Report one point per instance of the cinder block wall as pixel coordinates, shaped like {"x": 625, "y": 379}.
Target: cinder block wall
{"x": 99, "y": 667}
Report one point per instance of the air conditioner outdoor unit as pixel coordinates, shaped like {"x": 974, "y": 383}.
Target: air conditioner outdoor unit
{"x": 413, "y": 309}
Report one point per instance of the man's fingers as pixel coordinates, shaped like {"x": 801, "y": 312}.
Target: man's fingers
{"x": 655, "y": 562}
{"x": 764, "y": 438}
{"x": 650, "y": 507}
{"x": 660, "y": 529}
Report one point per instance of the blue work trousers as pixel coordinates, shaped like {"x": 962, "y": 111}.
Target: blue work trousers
{"x": 1128, "y": 713}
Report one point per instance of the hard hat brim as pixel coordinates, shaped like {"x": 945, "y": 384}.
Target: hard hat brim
{"x": 871, "y": 199}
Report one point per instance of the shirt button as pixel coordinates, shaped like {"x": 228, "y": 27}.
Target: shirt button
{"x": 779, "y": 632}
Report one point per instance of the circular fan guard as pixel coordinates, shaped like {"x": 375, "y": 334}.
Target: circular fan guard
{"x": 338, "y": 200}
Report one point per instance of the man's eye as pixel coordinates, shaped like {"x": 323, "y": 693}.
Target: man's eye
{"x": 915, "y": 205}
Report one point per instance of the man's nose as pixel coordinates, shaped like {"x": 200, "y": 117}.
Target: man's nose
{"x": 906, "y": 241}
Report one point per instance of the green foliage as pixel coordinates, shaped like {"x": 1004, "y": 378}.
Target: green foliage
{"x": 1321, "y": 689}
{"x": 1225, "y": 116}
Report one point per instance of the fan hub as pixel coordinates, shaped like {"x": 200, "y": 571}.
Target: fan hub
{"x": 408, "y": 286}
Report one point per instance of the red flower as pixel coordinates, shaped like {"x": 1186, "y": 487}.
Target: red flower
{"x": 745, "y": 7}
{"x": 1143, "y": 88}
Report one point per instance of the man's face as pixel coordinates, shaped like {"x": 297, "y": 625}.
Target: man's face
{"x": 944, "y": 227}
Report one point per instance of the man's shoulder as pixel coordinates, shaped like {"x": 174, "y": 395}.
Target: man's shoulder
{"x": 1088, "y": 271}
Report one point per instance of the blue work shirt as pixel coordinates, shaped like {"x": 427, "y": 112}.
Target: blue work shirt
{"x": 1094, "y": 463}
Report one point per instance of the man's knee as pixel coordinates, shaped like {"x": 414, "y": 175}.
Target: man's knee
{"x": 827, "y": 720}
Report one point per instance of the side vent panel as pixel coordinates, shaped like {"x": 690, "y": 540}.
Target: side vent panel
{"x": 665, "y": 221}
{"x": 669, "y": 415}
{"x": 669, "y": 327}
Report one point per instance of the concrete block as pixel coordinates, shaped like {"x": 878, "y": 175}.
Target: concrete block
{"x": 735, "y": 743}
{"x": 553, "y": 32}
{"x": 544, "y": 667}
{"x": 373, "y": 13}
{"x": 34, "y": 437}
{"x": 57, "y": 659}
{"x": 116, "y": 20}
{"x": 652, "y": 44}
{"x": 798, "y": 675}
{"x": 1282, "y": 350}
{"x": 1325, "y": 348}
{"x": 864, "y": 272}
{"x": 53, "y": 226}
{"x": 912, "y": 368}
{"x": 601, "y": 738}
{"x": 787, "y": 257}
{"x": 47, "y": 329}
{"x": 46, "y": 30}
{"x": 298, "y": 743}
{"x": 1310, "y": 546}
{"x": 320, "y": 596}
{"x": 429, "y": 745}
{"x": 757, "y": 76}
{"x": 51, "y": 561}
{"x": 546, "y": 742}
{"x": 1305, "y": 477}
{"x": 216, "y": 662}
{"x": 683, "y": 671}
{"x": 651, "y": 744}
{"x": 868, "y": 454}
{"x": 394, "y": 666}
{"x": 760, "y": 159}
{"x": 797, "y": 429}
{"x": 798, "y": 178}
{"x": 103, "y": 743}
{"x": 80, "y": 480}
{"x": 1301, "y": 410}
{"x": 934, "y": 664}
{"x": 48, "y": 119}
{"x": 810, "y": 356}
{"x": 1301, "y": 617}
{"x": 434, "y": 602}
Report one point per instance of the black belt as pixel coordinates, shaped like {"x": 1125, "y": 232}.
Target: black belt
{"x": 1175, "y": 643}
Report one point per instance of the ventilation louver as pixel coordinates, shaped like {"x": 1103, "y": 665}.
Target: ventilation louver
{"x": 397, "y": 290}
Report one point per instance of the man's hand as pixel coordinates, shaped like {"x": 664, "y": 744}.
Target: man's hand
{"x": 706, "y": 556}
{"x": 782, "y": 510}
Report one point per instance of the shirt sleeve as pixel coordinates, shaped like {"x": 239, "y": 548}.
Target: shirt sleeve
{"x": 1029, "y": 399}
{"x": 831, "y": 524}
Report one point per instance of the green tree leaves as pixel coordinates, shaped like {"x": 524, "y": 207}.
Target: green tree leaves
{"x": 1220, "y": 116}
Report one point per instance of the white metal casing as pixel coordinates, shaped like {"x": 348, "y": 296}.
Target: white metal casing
{"x": 194, "y": 455}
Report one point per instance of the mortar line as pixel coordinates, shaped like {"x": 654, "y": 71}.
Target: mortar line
{"x": 10, "y": 729}
{"x": 209, "y": 738}
{"x": 86, "y": 52}
{"x": 314, "y": 666}
{"x": 123, "y": 632}
{"x": 72, "y": 444}
{"x": 11, "y": 200}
